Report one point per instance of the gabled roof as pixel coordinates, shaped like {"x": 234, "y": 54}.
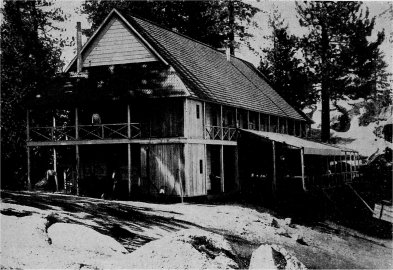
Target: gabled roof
{"x": 206, "y": 71}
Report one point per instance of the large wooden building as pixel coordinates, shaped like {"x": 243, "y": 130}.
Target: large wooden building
{"x": 168, "y": 114}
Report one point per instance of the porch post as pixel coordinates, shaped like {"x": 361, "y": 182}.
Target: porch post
{"x": 204, "y": 121}
{"x": 259, "y": 121}
{"x": 222, "y": 167}
{"x": 302, "y": 168}
{"x": 55, "y": 155}
{"x": 268, "y": 128}
{"x": 274, "y": 183}
{"x": 278, "y": 125}
{"x": 77, "y": 151}
{"x": 221, "y": 124}
{"x": 286, "y": 126}
{"x": 237, "y": 119}
{"x": 300, "y": 129}
{"x": 248, "y": 119}
{"x": 28, "y": 150}
{"x": 129, "y": 149}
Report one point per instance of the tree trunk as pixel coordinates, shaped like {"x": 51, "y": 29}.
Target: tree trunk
{"x": 325, "y": 95}
{"x": 231, "y": 34}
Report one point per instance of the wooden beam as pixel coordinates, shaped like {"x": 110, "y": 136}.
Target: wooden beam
{"x": 129, "y": 164}
{"x": 286, "y": 126}
{"x": 28, "y": 150}
{"x": 55, "y": 155}
{"x": 237, "y": 179}
{"x": 222, "y": 176}
{"x": 274, "y": 182}
{"x": 237, "y": 118}
{"x": 300, "y": 129}
{"x": 278, "y": 125}
{"x": 302, "y": 168}
{"x": 221, "y": 124}
{"x": 77, "y": 163}
{"x": 259, "y": 121}
{"x": 129, "y": 169}
{"x": 204, "y": 120}
{"x": 186, "y": 131}
{"x": 248, "y": 119}
{"x": 268, "y": 128}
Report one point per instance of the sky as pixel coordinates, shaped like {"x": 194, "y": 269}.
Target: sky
{"x": 287, "y": 9}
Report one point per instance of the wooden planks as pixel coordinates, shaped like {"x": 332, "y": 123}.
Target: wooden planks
{"x": 384, "y": 212}
{"x": 162, "y": 166}
{"x": 194, "y": 113}
{"x": 195, "y": 170}
{"x": 116, "y": 44}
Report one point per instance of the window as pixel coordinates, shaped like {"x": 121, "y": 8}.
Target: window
{"x": 200, "y": 166}
{"x": 197, "y": 112}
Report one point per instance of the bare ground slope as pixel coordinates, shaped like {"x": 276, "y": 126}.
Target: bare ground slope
{"x": 133, "y": 224}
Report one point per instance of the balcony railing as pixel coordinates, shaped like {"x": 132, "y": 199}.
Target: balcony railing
{"x": 85, "y": 132}
{"x": 220, "y": 133}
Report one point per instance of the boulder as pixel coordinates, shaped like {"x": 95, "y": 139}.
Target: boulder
{"x": 274, "y": 257}
{"x": 186, "y": 249}
{"x": 74, "y": 237}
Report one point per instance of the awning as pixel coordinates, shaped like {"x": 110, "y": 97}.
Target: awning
{"x": 310, "y": 147}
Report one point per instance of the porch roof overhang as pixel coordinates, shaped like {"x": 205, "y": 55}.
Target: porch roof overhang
{"x": 310, "y": 147}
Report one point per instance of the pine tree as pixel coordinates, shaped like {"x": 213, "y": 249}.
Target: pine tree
{"x": 212, "y": 22}
{"x": 284, "y": 69}
{"x": 338, "y": 50}
{"x": 29, "y": 58}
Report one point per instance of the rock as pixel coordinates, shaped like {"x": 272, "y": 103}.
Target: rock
{"x": 262, "y": 258}
{"x": 274, "y": 223}
{"x": 74, "y": 237}
{"x": 186, "y": 249}
{"x": 299, "y": 239}
{"x": 288, "y": 221}
{"x": 274, "y": 257}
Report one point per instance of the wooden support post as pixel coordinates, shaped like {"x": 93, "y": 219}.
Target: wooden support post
{"x": 28, "y": 150}
{"x": 346, "y": 166}
{"x": 274, "y": 182}
{"x": 237, "y": 179}
{"x": 302, "y": 168}
{"x": 129, "y": 167}
{"x": 286, "y": 126}
{"x": 55, "y": 156}
{"x": 350, "y": 166}
{"x": 300, "y": 129}
{"x": 268, "y": 128}
{"x": 278, "y": 125}
{"x": 259, "y": 121}
{"x": 248, "y": 119}
{"x": 222, "y": 167}
{"x": 221, "y": 124}
{"x": 204, "y": 121}
{"x": 237, "y": 119}
{"x": 77, "y": 165}
{"x": 186, "y": 133}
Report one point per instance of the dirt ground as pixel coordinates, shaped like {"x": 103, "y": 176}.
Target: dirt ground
{"x": 320, "y": 245}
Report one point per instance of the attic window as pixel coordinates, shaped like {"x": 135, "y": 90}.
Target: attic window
{"x": 197, "y": 112}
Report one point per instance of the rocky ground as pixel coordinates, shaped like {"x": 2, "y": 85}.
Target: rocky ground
{"x": 43, "y": 230}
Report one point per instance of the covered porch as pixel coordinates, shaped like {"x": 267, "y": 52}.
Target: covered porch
{"x": 274, "y": 164}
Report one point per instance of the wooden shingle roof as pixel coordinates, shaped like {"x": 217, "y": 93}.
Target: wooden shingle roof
{"x": 208, "y": 74}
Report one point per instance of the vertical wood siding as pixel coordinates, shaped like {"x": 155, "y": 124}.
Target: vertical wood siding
{"x": 195, "y": 124}
{"x": 116, "y": 44}
{"x": 195, "y": 178}
{"x": 166, "y": 168}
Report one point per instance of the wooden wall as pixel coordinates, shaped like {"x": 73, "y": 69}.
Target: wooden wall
{"x": 162, "y": 165}
{"x": 194, "y": 117}
{"x": 114, "y": 45}
{"x": 195, "y": 170}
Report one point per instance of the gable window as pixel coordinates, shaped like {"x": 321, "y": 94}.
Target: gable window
{"x": 198, "y": 112}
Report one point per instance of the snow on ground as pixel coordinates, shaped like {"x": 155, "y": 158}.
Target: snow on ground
{"x": 26, "y": 230}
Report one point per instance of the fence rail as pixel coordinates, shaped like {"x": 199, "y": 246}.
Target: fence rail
{"x": 86, "y": 132}
{"x": 221, "y": 133}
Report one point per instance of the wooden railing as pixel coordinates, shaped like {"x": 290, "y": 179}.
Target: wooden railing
{"x": 220, "y": 133}
{"x": 332, "y": 180}
{"x": 86, "y": 132}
